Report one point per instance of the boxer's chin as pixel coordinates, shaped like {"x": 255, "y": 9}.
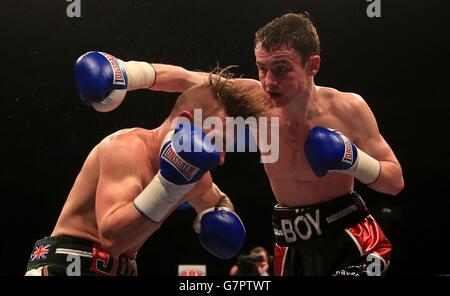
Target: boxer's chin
{"x": 114, "y": 99}
{"x": 279, "y": 100}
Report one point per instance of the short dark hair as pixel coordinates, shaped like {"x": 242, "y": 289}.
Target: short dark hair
{"x": 294, "y": 30}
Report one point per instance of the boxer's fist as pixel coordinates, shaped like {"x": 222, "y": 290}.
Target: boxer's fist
{"x": 221, "y": 231}
{"x": 101, "y": 80}
{"x": 329, "y": 150}
{"x": 185, "y": 157}
{"x": 179, "y": 171}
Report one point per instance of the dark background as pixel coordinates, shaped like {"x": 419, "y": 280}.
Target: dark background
{"x": 398, "y": 63}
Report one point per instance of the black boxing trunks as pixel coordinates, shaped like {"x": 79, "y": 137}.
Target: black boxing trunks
{"x": 338, "y": 237}
{"x": 67, "y": 256}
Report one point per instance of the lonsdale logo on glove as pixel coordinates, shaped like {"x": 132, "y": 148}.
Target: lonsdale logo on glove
{"x": 348, "y": 150}
{"x": 185, "y": 168}
{"x": 119, "y": 78}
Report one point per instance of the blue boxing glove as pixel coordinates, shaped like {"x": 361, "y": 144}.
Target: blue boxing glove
{"x": 221, "y": 232}
{"x": 101, "y": 80}
{"x": 329, "y": 150}
{"x": 185, "y": 156}
{"x": 184, "y": 159}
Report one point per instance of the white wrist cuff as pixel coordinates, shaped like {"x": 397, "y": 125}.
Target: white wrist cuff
{"x": 140, "y": 75}
{"x": 366, "y": 169}
{"x": 159, "y": 197}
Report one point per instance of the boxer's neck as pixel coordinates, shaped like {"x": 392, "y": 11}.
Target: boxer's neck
{"x": 155, "y": 141}
{"x": 303, "y": 107}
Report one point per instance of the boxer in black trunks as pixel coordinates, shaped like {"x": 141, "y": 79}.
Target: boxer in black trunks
{"x": 133, "y": 179}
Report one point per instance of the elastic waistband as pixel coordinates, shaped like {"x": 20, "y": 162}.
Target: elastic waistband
{"x": 69, "y": 241}
{"x": 64, "y": 251}
{"x": 292, "y": 225}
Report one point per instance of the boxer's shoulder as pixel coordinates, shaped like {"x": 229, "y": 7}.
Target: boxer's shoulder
{"x": 129, "y": 143}
{"x": 345, "y": 106}
{"x": 128, "y": 132}
{"x": 339, "y": 100}
{"x": 345, "y": 111}
{"x": 130, "y": 136}
{"x": 348, "y": 113}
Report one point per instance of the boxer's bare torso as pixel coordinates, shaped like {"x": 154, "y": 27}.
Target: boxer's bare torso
{"x": 300, "y": 105}
{"x": 292, "y": 179}
{"x": 78, "y": 217}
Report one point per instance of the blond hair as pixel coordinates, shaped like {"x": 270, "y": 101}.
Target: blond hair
{"x": 236, "y": 100}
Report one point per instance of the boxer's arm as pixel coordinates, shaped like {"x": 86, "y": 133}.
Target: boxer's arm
{"x": 212, "y": 197}
{"x": 96, "y": 75}
{"x": 369, "y": 140}
{"x": 120, "y": 225}
{"x": 220, "y": 229}
{"x": 161, "y": 77}
{"x": 171, "y": 78}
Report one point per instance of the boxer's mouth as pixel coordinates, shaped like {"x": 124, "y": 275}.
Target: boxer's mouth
{"x": 274, "y": 95}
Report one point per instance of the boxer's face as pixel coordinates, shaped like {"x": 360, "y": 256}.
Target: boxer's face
{"x": 281, "y": 74}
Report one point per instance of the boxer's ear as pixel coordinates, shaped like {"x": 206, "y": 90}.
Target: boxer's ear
{"x": 187, "y": 114}
{"x": 313, "y": 65}
{"x": 183, "y": 117}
